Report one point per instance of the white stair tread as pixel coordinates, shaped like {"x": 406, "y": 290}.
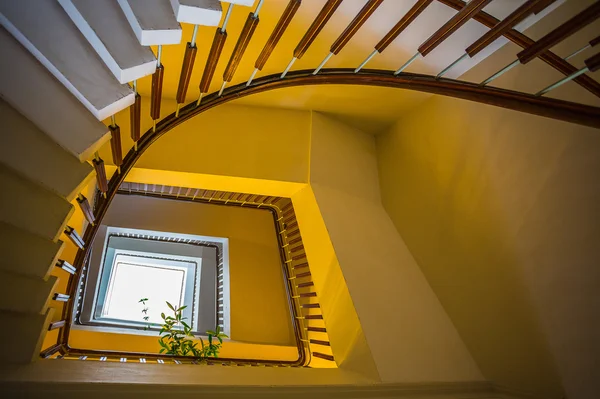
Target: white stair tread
{"x": 25, "y": 148}
{"x": 198, "y": 12}
{"x": 31, "y": 207}
{"x": 27, "y": 254}
{"x": 105, "y": 27}
{"x": 25, "y": 335}
{"x": 38, "y": 96}
{"x": 245, "y": 3}
{"x": 46, "y": 31}
{"x": 152, "y": 21}
{"x": 25, "y": 294}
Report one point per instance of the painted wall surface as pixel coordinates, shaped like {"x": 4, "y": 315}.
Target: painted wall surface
{"x": 409, "y": 335}
{"x": 229, "y": 140}
{"x": 502, "y": 212}
{"x": 259, "y": 310}
{"x": 344, "y": 332}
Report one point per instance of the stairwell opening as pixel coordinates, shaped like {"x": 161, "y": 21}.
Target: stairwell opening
{"x": 127, "y": 265}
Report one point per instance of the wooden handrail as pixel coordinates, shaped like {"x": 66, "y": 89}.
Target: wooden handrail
{"x": 506, "y": 24}
{"x": 282, "y": 24}
{"x": 585, "y": 17}
{"x": 316, "y": 26}
{"x": 135, "y": 115}
{"x": 458, "y": 20}
{"x": 402, "y": 24}
{"x": 213, "y": 58}
{"x": 358, "y": 21}
{"x": 115, "y": 144}
{"x": 187, "y": 67}
{"x": 240, "y": 46}
{"x": 523, "y": 41}
{"x": 156, "y": 94}
{"x": 593, "y": 63}
{"x": 100, "y": 174}
{"x": 86, "y": 208}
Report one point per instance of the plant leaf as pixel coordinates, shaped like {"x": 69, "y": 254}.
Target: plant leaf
{"x": 161, "y": 350}
{"x": 170, "y": 306}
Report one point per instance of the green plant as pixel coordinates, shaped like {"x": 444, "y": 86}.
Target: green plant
{"x": 176, "y": 336}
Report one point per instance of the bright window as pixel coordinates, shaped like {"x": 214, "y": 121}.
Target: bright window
{"x": 161, "y": 282}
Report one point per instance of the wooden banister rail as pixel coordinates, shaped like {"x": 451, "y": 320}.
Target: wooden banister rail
{"x": 282, "y": 24}
{"x": 156, "y": 94}
{"x": 135, "y": 115}
{"x": 115, "y": 143}
{"x": 187, "y": 67}
{"x": 213, "y": 58}
{"x": 523, "y": 41}
{"x": 358, "y": 21}
{"x": 506, "y": 24}
{"x": 464, "y": 15}
{"x": 402, "y": 24}
{"x": 100, "y": 174}
{"x": 86, "y": 208}
{"x": 240, "y": 47}
{"x": 316, "y": 26}
{"x": 563, "y": 31}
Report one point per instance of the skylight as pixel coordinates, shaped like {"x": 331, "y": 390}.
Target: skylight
{"x": 160, "y": 280}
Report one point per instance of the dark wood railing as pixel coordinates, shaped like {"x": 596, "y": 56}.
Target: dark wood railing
{"x": 292, "y": 250}
{"x": 297, "y": 276}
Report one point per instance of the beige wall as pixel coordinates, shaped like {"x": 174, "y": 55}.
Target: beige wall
{"x": 501, "y": 210}
{"x": 259, "y": 309}
{"x": 409, "y": 335}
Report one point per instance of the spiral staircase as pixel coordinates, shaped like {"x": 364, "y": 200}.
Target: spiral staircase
{"x": 69, "y": 65}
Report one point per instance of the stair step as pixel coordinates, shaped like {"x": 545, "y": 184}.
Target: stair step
{"x": 198, "y": 12}
{"x": 320, "y": 342}
{"x": 39, "y": 97}
{"x": 105, "y": 27}
{"x": 30, "y": 330}
{"x": 25, "y": 148}
{"x": 31, "y": 207}
{"x": 152, "y": 21}
{"x": 25, "y": 294}
{"x": 245, "y": 3}
{"x": 27, "y": 254}
{"x": 314, "y": 317}
{"x": 323, "y": 356}
{"x": 46, "y": 31}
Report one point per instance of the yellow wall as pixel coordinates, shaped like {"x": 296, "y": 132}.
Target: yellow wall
{"x": 344, "y": 331}
{"x": 230, "y": 140}
{"x": 407, "y": 331}
{"x": 501, "y": 211}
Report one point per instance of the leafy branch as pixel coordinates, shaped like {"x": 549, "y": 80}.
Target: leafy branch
{"x": 176, "y": 337}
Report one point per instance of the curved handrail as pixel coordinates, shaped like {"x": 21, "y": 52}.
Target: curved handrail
{"x": 548, "y": 107}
